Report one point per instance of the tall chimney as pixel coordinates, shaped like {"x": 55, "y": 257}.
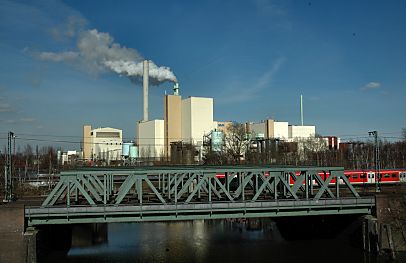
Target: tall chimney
{"x": 145, "y": 80}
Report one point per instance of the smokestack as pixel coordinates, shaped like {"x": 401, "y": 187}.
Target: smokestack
{"x": 301, "y": 109}
{"x": 145, "y": 80}
{"x": 176, "y": 89}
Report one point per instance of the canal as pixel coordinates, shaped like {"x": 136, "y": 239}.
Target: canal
{"x": 284, "y": 240}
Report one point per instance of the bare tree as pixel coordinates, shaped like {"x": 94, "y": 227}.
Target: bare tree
{"x": 313, "y": 150}
{"x": 236, "y": 142}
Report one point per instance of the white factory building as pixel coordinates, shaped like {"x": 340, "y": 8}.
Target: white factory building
{"x": 186, "y": 120}
{"x": 102, "y": 143}
{"x": 150, "y": 138}
{"x": 270, "y": 129}
{"x": 197, "y": 119}
{"x": 301, "y": 132}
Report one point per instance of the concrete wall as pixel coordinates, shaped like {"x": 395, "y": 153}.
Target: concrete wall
{"x": 172, "y": 121}
{"x": 271, "y": 129}
{"x": 280, "y": 130}
{"x": 186, "y": 108}
{"x": 197, "y": 119}
{"x": 151, "y": 138}
{"x": 259, "y": 129}
{"x": 13, "y": 247}
{"x": 87, "y": 147}
{"x": 301, "y": 131}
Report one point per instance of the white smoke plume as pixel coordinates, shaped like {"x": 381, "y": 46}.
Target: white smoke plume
{"x": 59, "y": 57}
{"x": 97, "y": 52}
{"x": 134, "y": 70}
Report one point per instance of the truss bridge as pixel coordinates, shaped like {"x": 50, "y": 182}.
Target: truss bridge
{"x": 142, "y": 194}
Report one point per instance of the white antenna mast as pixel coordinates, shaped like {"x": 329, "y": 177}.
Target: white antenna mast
{"x": 301, "y": 109}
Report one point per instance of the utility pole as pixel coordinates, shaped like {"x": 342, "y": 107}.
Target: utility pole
{"x": 8, "y": 169}
{"x": 377, "y": 161}
{"x": 37, "y": 152}
{"x": 6, "y": 175}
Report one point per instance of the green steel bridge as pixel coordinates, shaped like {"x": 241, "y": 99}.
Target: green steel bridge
{"x": 143, "y": 194}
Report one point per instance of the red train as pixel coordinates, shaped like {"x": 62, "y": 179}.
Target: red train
{"x": 386, "y": 176}
{"x": 369, "y": 176}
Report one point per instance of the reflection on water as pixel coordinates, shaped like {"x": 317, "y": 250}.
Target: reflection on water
{"x": 209, "y": 241}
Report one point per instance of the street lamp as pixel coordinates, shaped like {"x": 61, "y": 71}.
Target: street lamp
{"x": 377, "y": 177}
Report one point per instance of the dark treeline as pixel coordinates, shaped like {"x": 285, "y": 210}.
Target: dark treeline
{"x": 352, "y": 155}
{"x": 29, "y": 160}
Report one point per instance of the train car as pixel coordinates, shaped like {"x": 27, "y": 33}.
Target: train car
{"x": 360, "y": 177}
{"x": 402, "y": 176}
{"x": 369, "y": 176}
{"x": 365, "y": 177}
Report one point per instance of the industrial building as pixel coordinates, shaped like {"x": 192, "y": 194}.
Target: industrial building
{"x": 186, "y": 127}
{"x": 333, "y": 142}
{"x": 197, "y": 119}
{"x": 186, "y": 122}
{"x": 300, "y": 132}
{"x": 151, "y": 138}
{"x": 223, "y": 126}
{"x": 67, "y": 157}
{"x": 102, "y": 143}
{"x": 270, "y": 129}
{"x": 172, "y": 119}
{"x": 86, "y": 143}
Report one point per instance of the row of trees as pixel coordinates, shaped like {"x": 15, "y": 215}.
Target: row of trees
{"x": 28, "y": 161}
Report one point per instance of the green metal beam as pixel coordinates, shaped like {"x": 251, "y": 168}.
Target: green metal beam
{"x": 324, "y": 187}
{"x": 83, "y": 192}
{"x": 53, "y": 193}
{"x": 125, "y": 188}
{"x": 262, "y": 187}
{"x": 223, "y": 189}
{"x": 89, "y": 186}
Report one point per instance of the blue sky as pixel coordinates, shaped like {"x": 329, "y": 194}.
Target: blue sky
{"x": 253, "y": 57}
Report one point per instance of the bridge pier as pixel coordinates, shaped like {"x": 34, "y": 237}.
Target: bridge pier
{"x": 30, "y": 239}
{"x": 16, "y": 244}
{"x": 377, "y": 237}
{"x": 390, "y": 222}
{"x": 370, "y": 234}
